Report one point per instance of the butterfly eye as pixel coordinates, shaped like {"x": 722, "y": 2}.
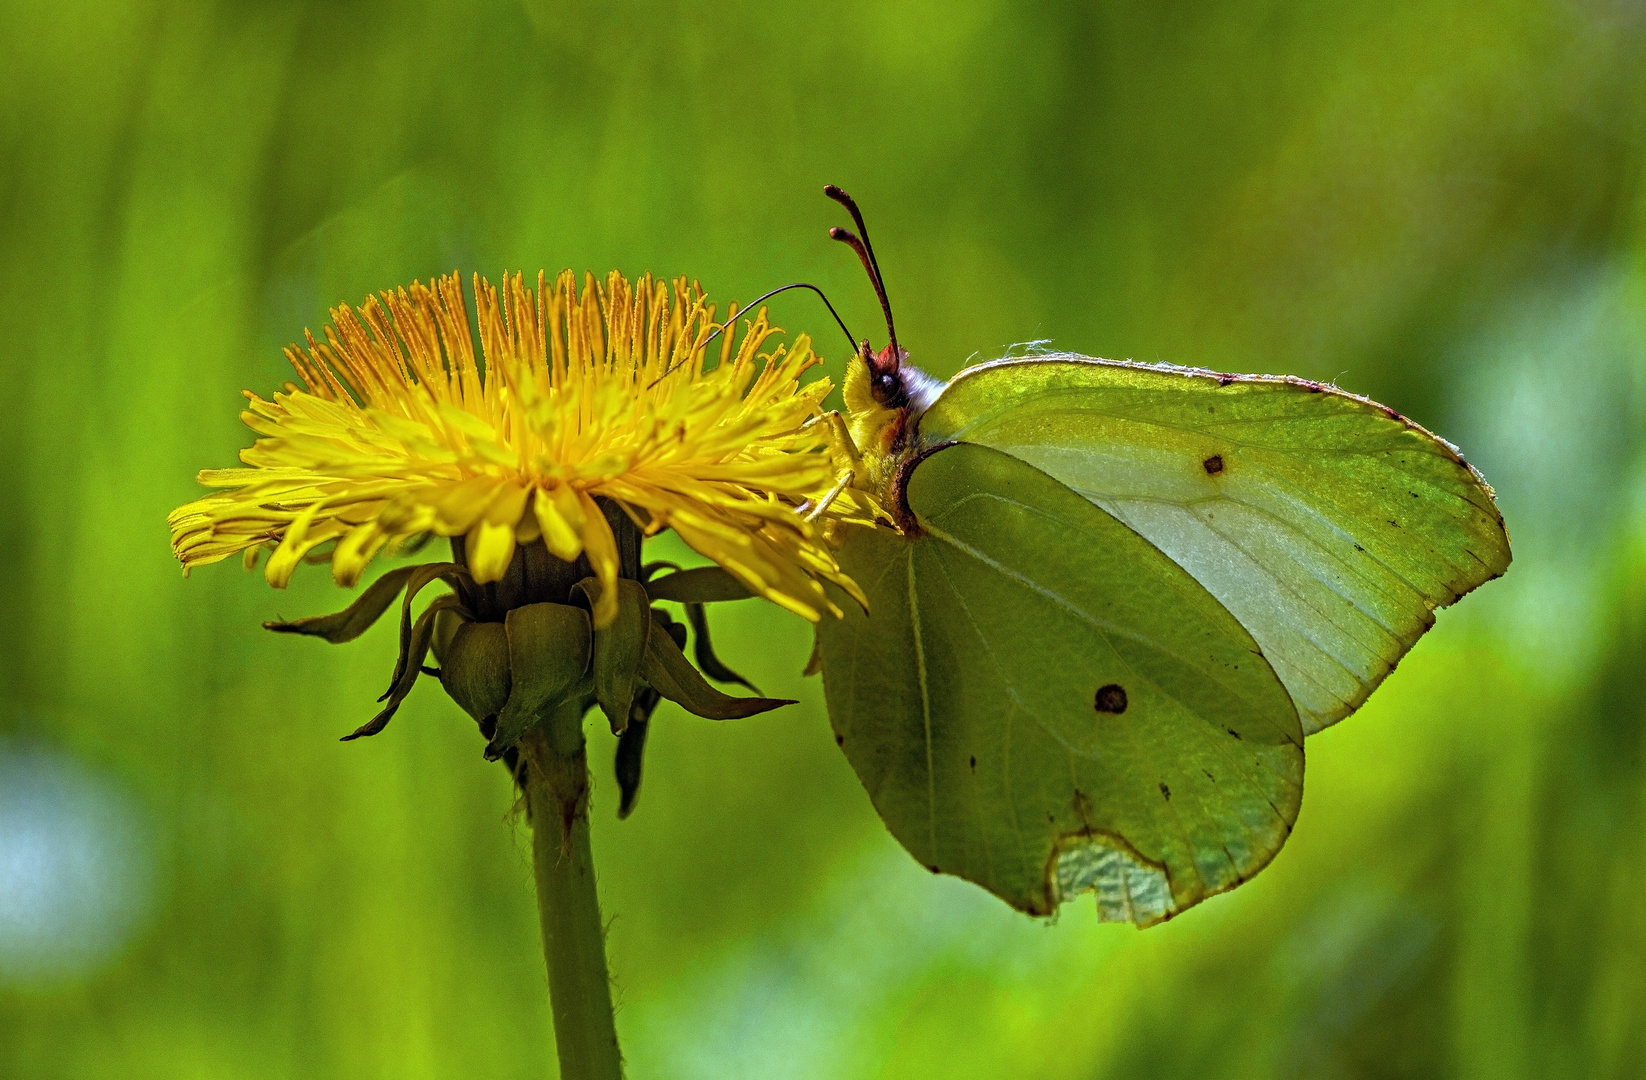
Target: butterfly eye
{"x": 889, "y": 391}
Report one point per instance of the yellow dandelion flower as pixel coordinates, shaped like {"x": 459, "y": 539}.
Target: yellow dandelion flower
{"x": 398, "y": 430}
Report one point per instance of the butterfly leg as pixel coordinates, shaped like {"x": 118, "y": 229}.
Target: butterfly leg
{"x": 857, "y": 474}
{"x": 834, "y": 493}
{"x": 841, "y": 442}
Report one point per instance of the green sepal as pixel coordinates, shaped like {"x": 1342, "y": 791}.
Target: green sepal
{"x": 357, "y": 618}
{"x": 419, "y": 577}
{"x": 668, "y": 671}
{"x": 618, "y": 648}
{"x": 474, "y": 667}
{"x": 421, "y": 636}
{"x": 548, "y": 658}
{"x": 631, "y": 748}
{"x": 699, "y": 585}
{"x": 664, "y": 622}
{"x": 703, "y": 650}
{"x": 445, "y": 628}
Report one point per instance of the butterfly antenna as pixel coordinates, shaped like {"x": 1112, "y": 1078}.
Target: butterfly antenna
{"x": 736, "y": 310}
{"x": 782, "y": 289}
{"x": 871, "y": 265}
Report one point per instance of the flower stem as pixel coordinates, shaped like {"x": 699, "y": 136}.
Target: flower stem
{"x": 574, "y": 944}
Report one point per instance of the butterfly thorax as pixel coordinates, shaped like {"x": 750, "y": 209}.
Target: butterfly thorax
{"x": 883, "y": 407}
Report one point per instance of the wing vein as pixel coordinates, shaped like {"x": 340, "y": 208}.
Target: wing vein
{"x": 1017, "y": 705}
{"x": 925, "y": 708}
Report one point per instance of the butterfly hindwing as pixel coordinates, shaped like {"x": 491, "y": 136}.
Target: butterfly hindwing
{"x": 1330, "y": 526}
{"x": 1043, "y": 703}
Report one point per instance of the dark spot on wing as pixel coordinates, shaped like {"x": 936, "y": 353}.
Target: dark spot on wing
{"x": 1111, "y": 699}
{"x": 1209, "y": 776}
{"x": 1166, "y": 791}
{"x": 1213, "y": 465}
{"x": 933, "y": 868}
{"x": 840, "y": 740}
{"x": 974, "y": 763}
{"x": 1233, "y": 732}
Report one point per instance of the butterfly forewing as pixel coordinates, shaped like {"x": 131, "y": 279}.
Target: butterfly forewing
{"x": 1330, "y": 526}
{"x": 1043, "y": 703}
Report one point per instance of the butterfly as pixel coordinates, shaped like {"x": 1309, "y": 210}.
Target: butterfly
{"x": 1112, "y": 600}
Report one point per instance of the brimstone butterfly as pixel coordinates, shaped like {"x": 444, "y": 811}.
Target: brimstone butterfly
{"x": 1113, "y": 599}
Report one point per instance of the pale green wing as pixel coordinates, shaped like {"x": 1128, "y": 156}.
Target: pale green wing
{"x": 1330, "y": 526}
{"x": 1043, "y": 703}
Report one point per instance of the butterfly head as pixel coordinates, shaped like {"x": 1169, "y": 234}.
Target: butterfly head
{"x": 884, "y": 397}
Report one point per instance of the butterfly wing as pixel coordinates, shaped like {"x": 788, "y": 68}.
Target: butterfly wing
{"x": 1330, "y": 526}
{"x": 1043, "y": 703}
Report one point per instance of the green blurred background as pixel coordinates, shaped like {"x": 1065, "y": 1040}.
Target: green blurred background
{"x": 1438, "y": 203}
